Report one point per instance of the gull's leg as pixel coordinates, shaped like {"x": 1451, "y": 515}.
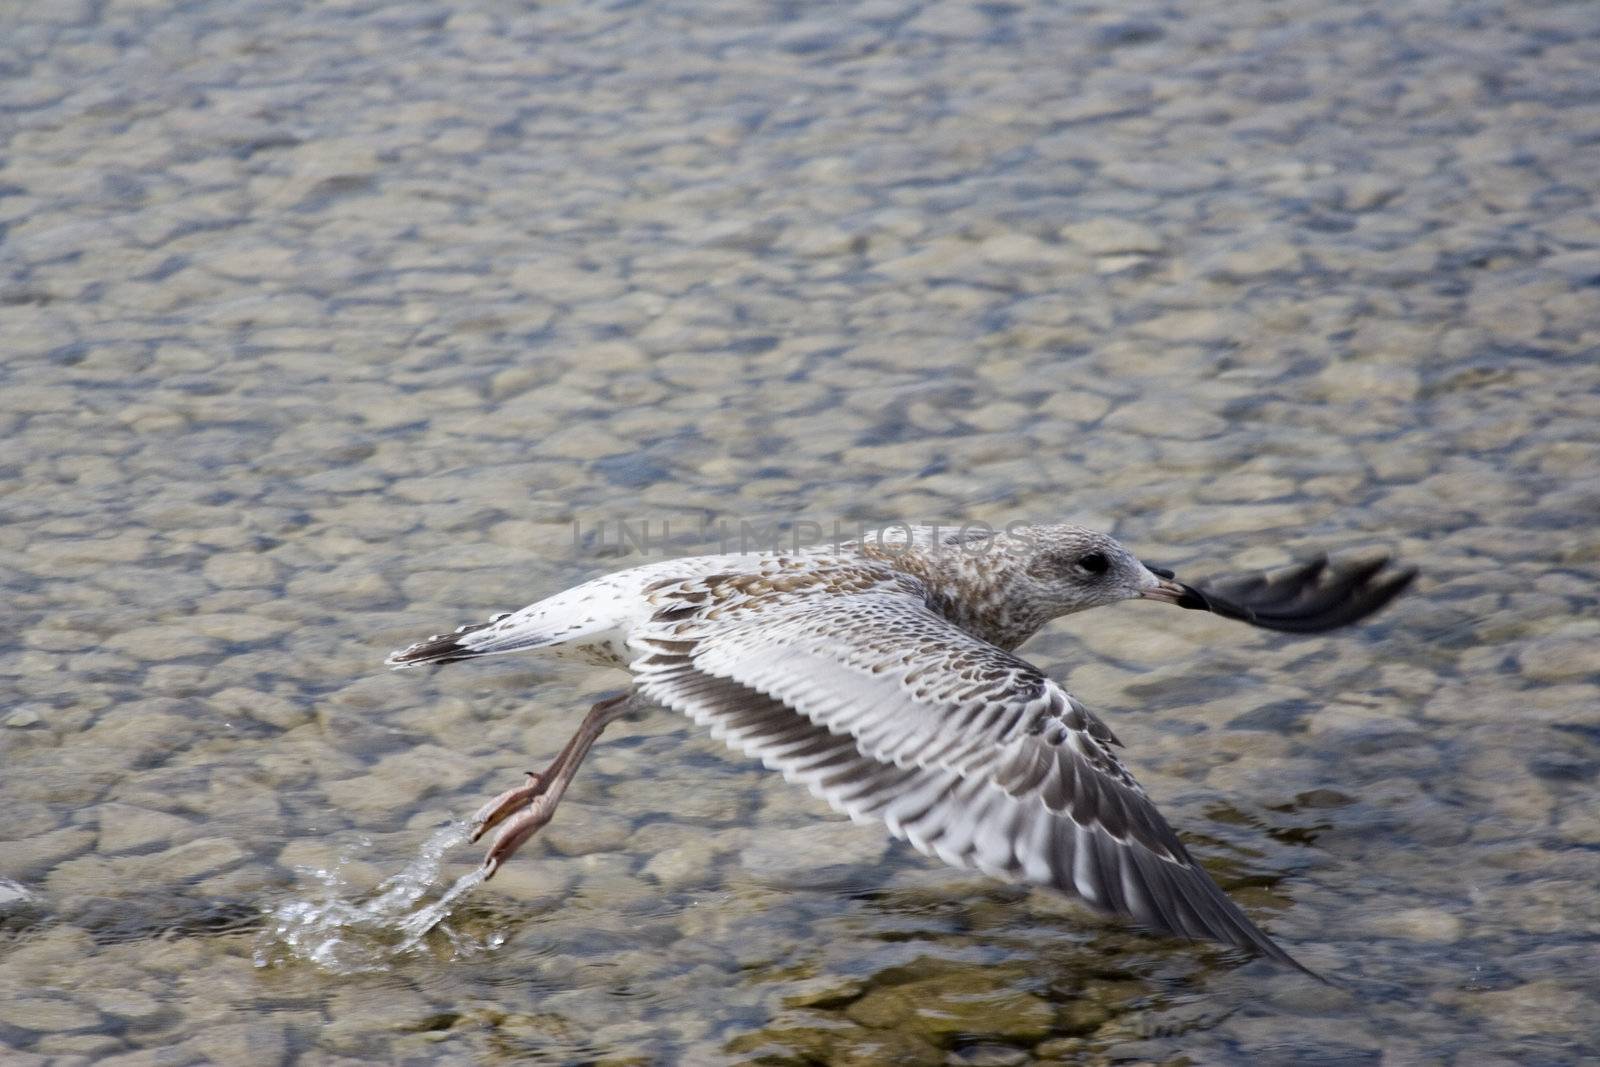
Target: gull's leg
{"x": 492, "y": 813}
{"x": 538, "y": 797}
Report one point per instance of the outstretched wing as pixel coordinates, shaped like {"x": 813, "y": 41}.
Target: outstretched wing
{"x": 854, "y": 688}
{"x": 1307, "y": 598}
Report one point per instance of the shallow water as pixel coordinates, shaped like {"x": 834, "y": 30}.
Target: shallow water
{"x": 347, "y": 931}
{"x": 324, "y": 327}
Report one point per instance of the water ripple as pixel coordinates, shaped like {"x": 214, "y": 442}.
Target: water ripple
{"x": 348, "y": 932}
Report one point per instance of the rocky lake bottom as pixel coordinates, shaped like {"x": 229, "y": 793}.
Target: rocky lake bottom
{"x": 324, "y": 327}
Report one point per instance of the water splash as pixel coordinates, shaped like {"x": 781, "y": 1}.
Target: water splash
{"x": 348, "y": 932}
{"x": 417, "y": 925}
{"x": 15, "y": 894}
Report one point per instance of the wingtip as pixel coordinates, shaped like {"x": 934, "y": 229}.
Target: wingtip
{"x": 1384, "y": 588}
{"x": 396, "y": 661}
{"x": 1311, "y": 597}
{"x": 1270, "y": 949}
{"x": 1252, "y": 938}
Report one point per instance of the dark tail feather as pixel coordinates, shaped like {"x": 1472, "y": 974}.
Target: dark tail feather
{"x": 440, "y": 648}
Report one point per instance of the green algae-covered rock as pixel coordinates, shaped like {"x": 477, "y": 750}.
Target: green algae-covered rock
{"x": 948, "y": 1006}
{"x": 837, "y": 1044}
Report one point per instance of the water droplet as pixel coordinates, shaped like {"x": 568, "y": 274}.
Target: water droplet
{"x": 348, "y": 932}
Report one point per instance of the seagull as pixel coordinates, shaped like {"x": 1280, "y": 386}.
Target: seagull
{"x": 882, "y": 675}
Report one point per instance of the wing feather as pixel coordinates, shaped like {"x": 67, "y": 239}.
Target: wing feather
{"x": 889, "y": 713}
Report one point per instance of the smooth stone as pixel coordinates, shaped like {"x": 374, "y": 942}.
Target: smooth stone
{"x": 176, "y": 679}
{"x": 1021, "y": 249}
{"x": 48, "y": 1014}
{"x": 1255, "y": 260}
{"x": 42, "y": 851}
{"x": 1419, "y": 924}
{"x": 582, "y": 829}
{"x": 261, "y": 1042}
{"x": 1544, "y": 1007}
{"x": 162, "y": 642}
{"x": 565, "y": 282}
{"x": 999, "y": 417}
{"x": 1561, "y": 659}
{"x": 1194, "y": 325}
{"x": 1580, "y": 825}
{"x": 426, "y": 769}
{"x": 357, "y": 1011}
{"x": 1163, "y": 418}
{"x": 24, "y": 717}
{"x": 817, "y": 854}
{"x": 134, "y": 1006}
{"x": 1075, "y": 406}
{"x": 1107, "y": 236}
{"x": 124, "y": 827}
{"x": 585, "y": 441}
{"x": 240, "y": 628}
{"x": 699, "y": 802}
{"x": 345, "y": 587}
{"x": 1130, "y": 636}
{"x": 345, "y": 481}
{"x": 60, "y": 639}
{"x": 43, "y": 958}
{"x": 540, "y": 880}
{"x": 1194, "y": 176}
{"x": 685, "y": 865}
{"x": 194, "y": 860}
{"x": 92, "y": 1047}
{"x": 264, "y": 707}
{"x": 1356, "y": 382}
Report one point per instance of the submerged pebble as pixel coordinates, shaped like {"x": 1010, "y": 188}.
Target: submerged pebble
{"x": 362, "y": 322}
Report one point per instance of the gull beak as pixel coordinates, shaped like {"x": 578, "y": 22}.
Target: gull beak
{"x": 1163, "y": 586}
{"x": 1167, "y": 591}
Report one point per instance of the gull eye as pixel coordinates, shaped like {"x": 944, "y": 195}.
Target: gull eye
{"x": 1094, "y": 563}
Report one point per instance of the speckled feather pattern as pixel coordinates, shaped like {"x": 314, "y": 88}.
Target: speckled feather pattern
{"x": 964, "y": 750}
{"x": 880, "y": 676}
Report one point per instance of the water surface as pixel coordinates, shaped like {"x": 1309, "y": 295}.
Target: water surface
{"x": 323, "y": 325}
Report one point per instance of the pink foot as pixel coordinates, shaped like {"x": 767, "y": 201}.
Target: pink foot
{"x": 503, "y": 805}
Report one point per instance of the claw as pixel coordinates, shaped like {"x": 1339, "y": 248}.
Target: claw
{"x": 527, "y": 822}
{"x": 506, "y": 803}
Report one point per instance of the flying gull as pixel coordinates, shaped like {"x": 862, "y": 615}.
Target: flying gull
{"x": 881, "y": 675}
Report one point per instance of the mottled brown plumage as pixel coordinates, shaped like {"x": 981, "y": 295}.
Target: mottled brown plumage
{"x": 881, "y": 676}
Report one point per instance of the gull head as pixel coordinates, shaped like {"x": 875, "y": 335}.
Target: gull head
{"x": 1068, "y": 568}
